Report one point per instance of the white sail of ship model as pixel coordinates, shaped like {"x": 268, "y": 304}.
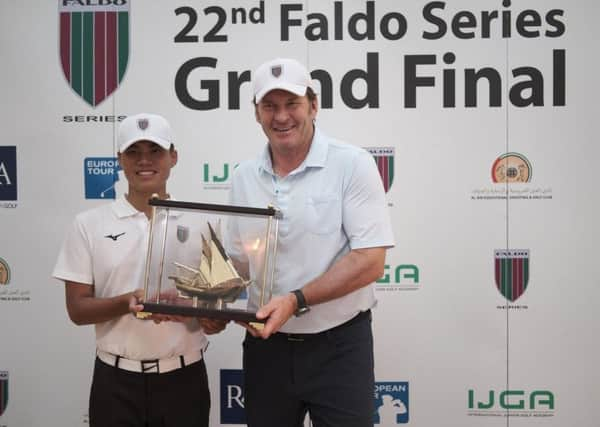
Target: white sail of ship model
{"x": 215, "y": 277}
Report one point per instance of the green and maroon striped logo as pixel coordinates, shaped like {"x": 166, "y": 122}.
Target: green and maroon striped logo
{"x": 3, "y": 391}
{"x": 384, "y": 158}
{"x": 511, "y": 272}
{"x": 94, "y": 46}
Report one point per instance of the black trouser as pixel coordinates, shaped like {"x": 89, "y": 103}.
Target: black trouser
{"x": 179, "y": 398}
{"x": 329, "y": 375}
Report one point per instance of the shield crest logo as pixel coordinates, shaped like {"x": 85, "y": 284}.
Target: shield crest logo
{"x": 384, "y": 158}
{"x": 183, "y": 233}
{"x": 142, "y": 124}
{"x": 276, "y": 70}
{"x": 3, "y": 391}
{"x": 511, "y": 271}
{"x": 94, "y": 47}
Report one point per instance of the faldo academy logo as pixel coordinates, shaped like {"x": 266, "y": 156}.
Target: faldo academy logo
{"x": 3, "y": 391}
{"x": 8, "y": 176}
{"x": 511, "y": 271}
{"x": 384, "y": 158}
{"x": 4, "y": 272}
{"x": 101, "y": 174}
{"x": 511, "y": 176}
{"x": 94, "y": 46}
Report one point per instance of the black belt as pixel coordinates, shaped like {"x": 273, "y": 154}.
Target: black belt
{"x": 361, "y": 316}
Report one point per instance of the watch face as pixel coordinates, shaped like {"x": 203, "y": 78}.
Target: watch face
{"x": 302, "y": 310}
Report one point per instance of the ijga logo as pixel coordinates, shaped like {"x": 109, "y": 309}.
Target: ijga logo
{"x": 217, "y": 177}
{"x": 391, "y": 403}
{"x": 403, "y": 274}
{"x": 512, "y": 400}
{"x": 232, "y": 396}
{"x": 101, "y": 175}
{"x": 8, "y": 173}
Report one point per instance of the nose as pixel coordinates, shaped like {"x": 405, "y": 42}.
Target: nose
{"x": 144, "y": 157}
{"x": 281, "y": 114}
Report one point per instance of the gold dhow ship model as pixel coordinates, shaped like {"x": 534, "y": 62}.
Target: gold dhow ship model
{"x": 215, "y": 281}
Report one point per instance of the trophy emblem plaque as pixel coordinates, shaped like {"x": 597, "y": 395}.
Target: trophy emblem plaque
{"x": 200, "y": 255}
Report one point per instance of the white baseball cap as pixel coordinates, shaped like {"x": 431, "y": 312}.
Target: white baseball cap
{"x": 144, "y": 127}
{"x": 281, "y": 73}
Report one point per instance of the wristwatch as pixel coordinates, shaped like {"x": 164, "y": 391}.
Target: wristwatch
{"x": 303, "y": 308}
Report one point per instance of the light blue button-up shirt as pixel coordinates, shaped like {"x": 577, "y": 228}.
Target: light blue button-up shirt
{"x": 332, "y": 203}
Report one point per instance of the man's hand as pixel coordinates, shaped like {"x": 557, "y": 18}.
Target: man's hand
{"x": 276, "y": 312}
{"x": 136, "y": 305}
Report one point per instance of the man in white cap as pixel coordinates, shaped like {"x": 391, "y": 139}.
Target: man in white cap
{"x": 315, "y": 352}
{"x": 145, "y": 374}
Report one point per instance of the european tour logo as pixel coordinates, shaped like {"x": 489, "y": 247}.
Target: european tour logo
{"x": 94, "y": 46}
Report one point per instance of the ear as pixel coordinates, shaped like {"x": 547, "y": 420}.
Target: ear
{"x": 174, "y": 156}
{"x": 314, "y": 105}
{"x": 256, "y": 113}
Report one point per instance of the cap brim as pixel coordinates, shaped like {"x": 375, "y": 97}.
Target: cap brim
{"x": 299, "y": 90}
{"x": 159, "y": 141}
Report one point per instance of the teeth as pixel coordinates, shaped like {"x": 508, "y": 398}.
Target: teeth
{"x": 145, "y": 173}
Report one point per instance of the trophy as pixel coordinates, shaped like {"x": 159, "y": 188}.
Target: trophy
{"x": 204, "y": 259}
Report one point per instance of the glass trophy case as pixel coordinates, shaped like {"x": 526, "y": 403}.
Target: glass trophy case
{"x": 204, "y": 259}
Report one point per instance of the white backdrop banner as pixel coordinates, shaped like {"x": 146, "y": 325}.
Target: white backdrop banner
{"x": 481, "y": 115}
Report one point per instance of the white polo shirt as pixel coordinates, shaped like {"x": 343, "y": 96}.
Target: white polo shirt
{"x": 106, "y": 247}
{"x": 332, "y": 203}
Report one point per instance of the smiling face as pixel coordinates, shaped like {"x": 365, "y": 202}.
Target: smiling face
{"x": 287, "y": 121}
{"x": 147, "y": 167}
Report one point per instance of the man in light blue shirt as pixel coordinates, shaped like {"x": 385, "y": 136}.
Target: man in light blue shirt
{"x": 315, "y": 352}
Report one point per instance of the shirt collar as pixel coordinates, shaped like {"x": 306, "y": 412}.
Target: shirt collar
{"x": 123, "y": 209}
{"x": 316, "y": 157}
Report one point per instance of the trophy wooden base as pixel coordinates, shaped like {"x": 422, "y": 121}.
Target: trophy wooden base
{"x": 238, "y": 315}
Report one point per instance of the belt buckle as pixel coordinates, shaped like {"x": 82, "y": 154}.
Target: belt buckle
{"x": 149, "y": 365}
{"x": 295, "y": 338}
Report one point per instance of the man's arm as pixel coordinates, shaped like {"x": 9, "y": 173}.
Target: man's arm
{"x": 84, "y": 308}
{"x": 353, "y": 271}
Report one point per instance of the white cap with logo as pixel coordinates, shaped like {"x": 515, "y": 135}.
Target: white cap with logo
{"x": 281, "y": 73}
{"x": 144, "y": 127}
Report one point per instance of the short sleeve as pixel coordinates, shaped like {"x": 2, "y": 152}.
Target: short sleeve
{"x": 74, "y": 261}
{"x": 365, "y": 214}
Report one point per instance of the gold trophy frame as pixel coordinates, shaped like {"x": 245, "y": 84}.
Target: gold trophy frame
{"x": 189, "y": 272}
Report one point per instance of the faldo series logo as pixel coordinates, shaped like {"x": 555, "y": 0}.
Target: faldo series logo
{"x": 391, "y": 403}
{"x": 101, "y": 175}
{"x": 3, "y": 391}
{"x": 511, "y": 274}
{"x": 8, "y": 177}
{"x": 511, "y": 177}
{"x": 384, "y": 158}
{"x": 94, "y": 46}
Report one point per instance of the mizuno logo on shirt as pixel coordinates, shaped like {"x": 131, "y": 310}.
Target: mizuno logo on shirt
{"x": 114, "y": 236}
